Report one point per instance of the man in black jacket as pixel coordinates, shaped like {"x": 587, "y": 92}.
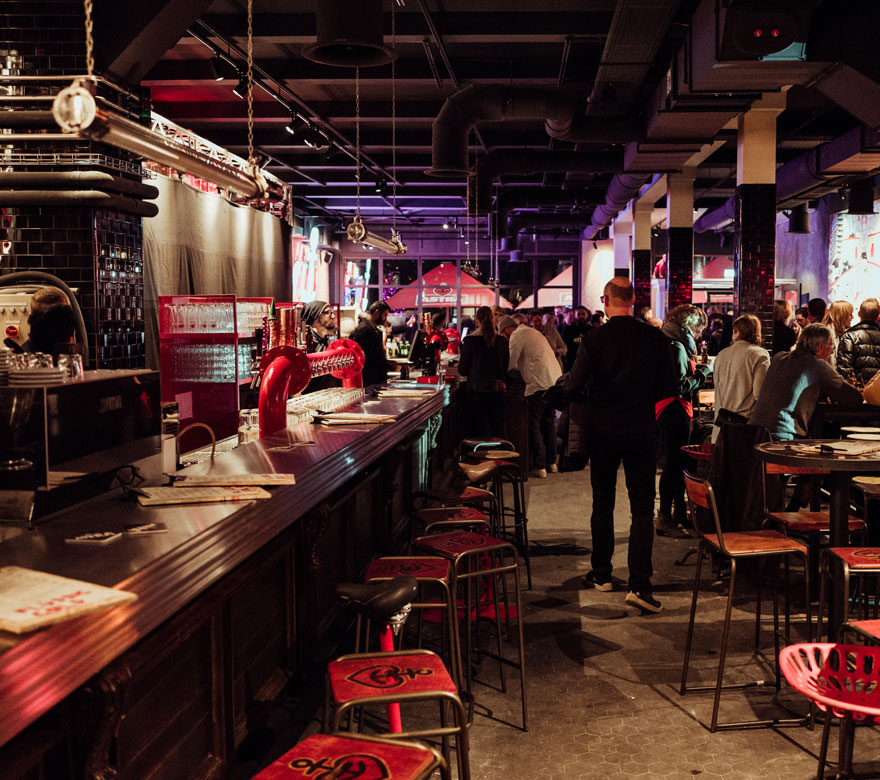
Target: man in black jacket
{"x": 369, "y": 337}
{"x": 858, "y": 352}
{"x": 623, "y": 368}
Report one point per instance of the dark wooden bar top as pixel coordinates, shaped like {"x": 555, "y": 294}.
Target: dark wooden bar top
{"x": 167, "y": 571}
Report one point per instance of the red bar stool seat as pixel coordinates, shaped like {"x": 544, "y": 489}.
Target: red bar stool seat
{"x": 430, "y": 572}
{"x": 323, "y": 755}
{"x": 480, "y": 558}
{"x": 841, "y": 680}
{"x": 862, "y": 562}
{"x": 369, "y": 679}
{"x": 867, "y": 630}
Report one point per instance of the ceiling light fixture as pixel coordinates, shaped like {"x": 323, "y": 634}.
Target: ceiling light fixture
{"x": 214, "y": 64}
{"x": 240, "y": 90}
{"x": 446, "y": 226}
{"x": 381, "y": 186}
{"x": 294, "y": 124}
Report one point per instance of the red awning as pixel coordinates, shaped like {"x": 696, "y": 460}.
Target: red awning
{"x": 438, "y": 290}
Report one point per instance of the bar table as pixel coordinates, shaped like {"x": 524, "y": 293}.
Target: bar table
{"x": 806, "y": 453}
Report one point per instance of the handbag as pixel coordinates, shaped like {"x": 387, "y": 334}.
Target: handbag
{"x": 871, "y": 393}
{"x": 726, "y": 417}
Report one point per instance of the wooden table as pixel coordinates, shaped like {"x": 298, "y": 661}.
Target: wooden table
{"x": 804, "y": 453}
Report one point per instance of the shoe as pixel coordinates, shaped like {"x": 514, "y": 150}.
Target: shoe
{"x": 604, "y": 586}
{"x": 539, "y": 473}
{"x": 553, "y": 468}
{"x": 644, "y": 601}
{"x": 664, "y": 526}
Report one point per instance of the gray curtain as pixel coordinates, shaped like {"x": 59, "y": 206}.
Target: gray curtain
{"x": 201, "y": 244}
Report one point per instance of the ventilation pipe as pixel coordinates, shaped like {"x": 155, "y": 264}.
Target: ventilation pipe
{"x": 525, "y": 162}
{"x": 530, "y": 220}
{"x": 349, "y": 35}
{"x": 77, "y": 198}
{"x": 532, "y": 199}
{"x": 852, "y": 153}
{"x": 66, "y": 179}
{"x": 475, "y": 103}
{"x": 622, "y": 188}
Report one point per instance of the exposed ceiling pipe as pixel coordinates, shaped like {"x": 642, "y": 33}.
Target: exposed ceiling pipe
{"x": 527, "y": 220}
{"x": 816, "y": 168}
{"x": 522, "y": 162}
{"x": 77, "y": 198}
{"x": 65, "y": 179}
{"x": 477, "y": 103}
{"x": 622, "y": 188}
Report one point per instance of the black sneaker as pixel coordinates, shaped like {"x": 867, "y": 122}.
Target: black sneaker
{"x": 644, "y": 601}
{"x": 605, "y": 586}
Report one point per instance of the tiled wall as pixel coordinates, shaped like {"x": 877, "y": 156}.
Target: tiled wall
{"x": 754, "y": 253}
{"x": 642, "y": 268}
{"x": 82, "y": 245}
{"x": 679, "y": 265}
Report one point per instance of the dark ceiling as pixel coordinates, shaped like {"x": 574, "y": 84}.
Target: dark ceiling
{"x": 607, "y": 58}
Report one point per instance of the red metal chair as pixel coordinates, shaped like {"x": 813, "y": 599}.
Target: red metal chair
{"x": 841, "y": 680}
{"x": 332, "y": 755}
{"x": 861, "y": 562}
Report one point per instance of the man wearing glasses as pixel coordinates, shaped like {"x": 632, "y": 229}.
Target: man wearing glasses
{"x": 622, "y": 369}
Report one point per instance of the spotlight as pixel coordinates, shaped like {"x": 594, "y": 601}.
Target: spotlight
{"x": 381, "y": 186}
{"x": 799, "y": 219}
{"x": 861, "y": 197}
{"x": 240, "y": 89}
{"x": 315, "y": 140}
{"x": 214, "y": 64}
{"x": 294, "y": 124}
{"x": 446, "y": 226}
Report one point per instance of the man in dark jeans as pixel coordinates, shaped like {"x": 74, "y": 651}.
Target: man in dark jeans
{"x": 369, "y": 337}
{"x": 623, "y": 368}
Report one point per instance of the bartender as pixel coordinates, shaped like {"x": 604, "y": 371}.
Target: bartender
{"x": 318, "y": 317}
{"x": 51, "y": 322}
{"x": 369, "y": 337}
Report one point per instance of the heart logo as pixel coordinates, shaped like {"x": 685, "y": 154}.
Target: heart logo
{"x": 385, "y": 676}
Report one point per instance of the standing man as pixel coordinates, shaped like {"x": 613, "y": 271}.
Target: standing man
{"x": 623, "y": 368}
{"x": 858, "y": 351}
{"x": 532, "y": 357}
{"x": 549, "y": 332}
{"x": 320, "y": 320}
{"x": 574, "y": 333}
{"x": 369, "y": 337}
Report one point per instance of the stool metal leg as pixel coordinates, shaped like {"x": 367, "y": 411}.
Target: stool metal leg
{"x": 722, "y": 658}
{"x": 701, "y": 551}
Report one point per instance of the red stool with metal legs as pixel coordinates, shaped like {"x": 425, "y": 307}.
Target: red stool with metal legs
{"x": 767, "y": 544}
{"x": 866, "y": 630}
{"x": 841, "y": 680}
{"x": 430, "y": 573}
{"x": 477, "y": 560}
{"x": 350, "y": 756}
{"x": 393, "y": 677}
{"x": 861, "y": 562}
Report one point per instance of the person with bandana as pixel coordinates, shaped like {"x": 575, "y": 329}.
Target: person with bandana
{"x": 320, "y": 319}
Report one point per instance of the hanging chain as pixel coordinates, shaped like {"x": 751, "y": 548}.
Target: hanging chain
{"x": 90, "y": 40}
{"x": 357, "y": 138}
{"x": 393, "y": 123}
{"x": 250, "y": 78}
{"x": 467, "y": 216}
{"x": 476, "y": 216}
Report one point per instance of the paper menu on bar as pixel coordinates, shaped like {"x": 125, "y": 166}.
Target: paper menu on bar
{"x": 156, "y": 496}
{"x": 221, "y": 480}
{"x": 32, "y": 599}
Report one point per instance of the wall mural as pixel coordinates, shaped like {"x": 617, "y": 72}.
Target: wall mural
{"x": 854, "y": 258}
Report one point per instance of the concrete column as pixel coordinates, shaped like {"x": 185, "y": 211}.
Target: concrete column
{"x": 622, "y": 238}
{"x": 679, "y": 237}
{"x": 641, "y": 254}
{"x": 754, "y": 248}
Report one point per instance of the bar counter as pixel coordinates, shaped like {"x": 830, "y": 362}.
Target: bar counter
{"x": 210, "y": 545}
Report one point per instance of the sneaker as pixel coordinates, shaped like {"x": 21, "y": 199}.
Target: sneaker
{"x": 604, "y": 586}
{"x": 539, "y": 473}
{"x": 553, "y": 468}
{"x": 644, "y": 601}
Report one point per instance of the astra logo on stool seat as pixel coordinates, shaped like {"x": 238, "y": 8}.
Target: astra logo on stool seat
{"x": 386, "y": 676}
{"x": 357, "y": 766}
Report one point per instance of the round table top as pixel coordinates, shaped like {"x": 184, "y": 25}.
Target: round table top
{"x": 805, "y": 453}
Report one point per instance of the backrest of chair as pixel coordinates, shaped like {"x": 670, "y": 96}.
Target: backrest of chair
{"x": 700, "y": 495}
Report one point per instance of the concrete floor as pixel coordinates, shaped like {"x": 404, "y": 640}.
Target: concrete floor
{"x": 603, "y": 679}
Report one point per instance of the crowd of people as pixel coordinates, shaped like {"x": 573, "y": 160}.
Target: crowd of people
{"x": 633, "y": 375}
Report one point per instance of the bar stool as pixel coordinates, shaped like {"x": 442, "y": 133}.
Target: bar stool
{"x": 429, "y": 572}
{"x": 402, "y": 676}
{"x": 734, "y": 546}
{"x": 860, "y": 561}
{"x": 333, "y": 755}
{"x": 471, "y": 447}
{"x": 499, "y": 473}
{"x": 841, "y": 680}
{"x": 476, "y": 556}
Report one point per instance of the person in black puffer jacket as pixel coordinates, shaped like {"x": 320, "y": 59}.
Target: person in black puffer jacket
{"x": 682, "y": 327}
{"x": 484, "y": 361}
{"x": 858, "y": 352}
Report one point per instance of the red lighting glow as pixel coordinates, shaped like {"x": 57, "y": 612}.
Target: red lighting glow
{"x": 774, "y": 33}
{"x": 758, "y": 32}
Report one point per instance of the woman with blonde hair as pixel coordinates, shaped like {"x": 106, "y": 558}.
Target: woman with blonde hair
{"x": 837, "y": 317}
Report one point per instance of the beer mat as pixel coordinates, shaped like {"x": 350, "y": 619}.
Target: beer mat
{"x": 156, "y": 496}
{"x": 142, "y": 529}
{"x": 94, "y": 537}
{"x": 497, "y": 454}
{"x": 221, "y": 480}
{"x": 32, "y": 599}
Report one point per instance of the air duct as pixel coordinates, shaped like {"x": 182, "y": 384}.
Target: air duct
{"x": 473, "y": 104}
{"x": 525, "y": 162}
{"x": 349, "y": 35}
{"x": 622, "y": 188}
{"x": 77, "y": 198}
{"x": 513, "y": 200}
{"x": 66, "y": 179}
